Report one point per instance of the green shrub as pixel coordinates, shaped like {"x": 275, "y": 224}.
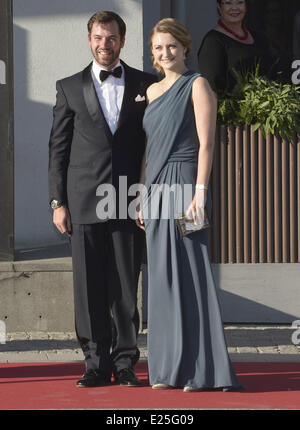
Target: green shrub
{"x": 255, "y": 100}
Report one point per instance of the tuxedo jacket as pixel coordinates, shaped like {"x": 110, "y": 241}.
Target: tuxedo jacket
{"x": 83, "y": 153}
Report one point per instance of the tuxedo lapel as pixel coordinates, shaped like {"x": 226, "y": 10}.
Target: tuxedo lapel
{"x": 129, "y": 95}
{"x": 92, "y": 101}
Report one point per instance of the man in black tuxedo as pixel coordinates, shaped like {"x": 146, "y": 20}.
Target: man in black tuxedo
{"x": 96, "y": 138}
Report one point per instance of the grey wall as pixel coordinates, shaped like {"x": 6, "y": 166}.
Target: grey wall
{"x": 153, "y": 11}
{"x": 199, "y": 16}
{"x": 50, "y": 42}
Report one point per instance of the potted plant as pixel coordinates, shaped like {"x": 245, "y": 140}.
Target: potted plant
{"x": 256, "y": 173}
{"x": 266, "y": 104}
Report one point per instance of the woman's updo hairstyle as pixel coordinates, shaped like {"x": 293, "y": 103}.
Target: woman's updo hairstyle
{"x": 177, "y": 30}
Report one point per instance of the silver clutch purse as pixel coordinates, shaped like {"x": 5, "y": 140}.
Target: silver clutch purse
{"x": 187, "y": 226}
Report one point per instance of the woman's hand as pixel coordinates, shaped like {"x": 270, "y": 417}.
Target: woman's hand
{"x": 196, "y": 210}
{"x": 140, "y": 220}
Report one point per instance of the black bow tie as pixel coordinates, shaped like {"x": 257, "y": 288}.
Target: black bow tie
{"x": 104, "y": 74}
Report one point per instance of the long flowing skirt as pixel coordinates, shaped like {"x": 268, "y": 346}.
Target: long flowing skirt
{"x": 186, "y": 342}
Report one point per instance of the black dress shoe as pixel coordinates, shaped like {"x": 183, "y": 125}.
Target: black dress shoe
{"x": 93, "y": 378}
{"x": 127, "y": 378}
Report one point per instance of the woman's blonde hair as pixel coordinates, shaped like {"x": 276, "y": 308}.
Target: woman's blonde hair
{"x": 177, "y": 30}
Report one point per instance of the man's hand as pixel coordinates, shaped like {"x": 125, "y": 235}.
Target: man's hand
{"x": 62, "y": 220}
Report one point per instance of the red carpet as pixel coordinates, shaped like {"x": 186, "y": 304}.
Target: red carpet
{"x": 33, "y": 386}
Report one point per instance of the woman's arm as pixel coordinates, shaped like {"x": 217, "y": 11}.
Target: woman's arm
{"x": 143, "y": 168}
{"x": 140, "y": 220}
{"x": 205, "y": 109}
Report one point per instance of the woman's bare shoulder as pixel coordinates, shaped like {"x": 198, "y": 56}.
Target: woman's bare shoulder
{"x": 202, "y": 91}
{"x": 201, "y": 85}
{"x": 153, "y": 91}
{"x": 200, "y": 82}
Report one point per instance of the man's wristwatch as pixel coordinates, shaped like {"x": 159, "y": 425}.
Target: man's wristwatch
{"x": 55, "y": 204}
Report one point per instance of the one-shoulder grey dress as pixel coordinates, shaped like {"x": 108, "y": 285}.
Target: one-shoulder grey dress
{"x": 186, "y": 342}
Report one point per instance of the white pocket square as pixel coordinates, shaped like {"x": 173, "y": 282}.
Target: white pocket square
{"x": 140, "y": 98}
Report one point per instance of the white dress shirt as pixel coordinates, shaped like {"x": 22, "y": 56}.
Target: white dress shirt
{"x": 110, "y": 94}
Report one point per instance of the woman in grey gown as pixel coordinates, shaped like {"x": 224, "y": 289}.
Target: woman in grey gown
{"x": 186, "y": 343}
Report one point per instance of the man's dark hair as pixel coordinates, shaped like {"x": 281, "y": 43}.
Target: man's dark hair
{"x": 105, "y": 16}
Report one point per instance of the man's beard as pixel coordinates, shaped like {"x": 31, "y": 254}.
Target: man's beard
{"x": 106, "y": 61}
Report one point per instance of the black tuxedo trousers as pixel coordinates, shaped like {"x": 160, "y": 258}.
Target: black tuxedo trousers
{"x": 106, "y": 264}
